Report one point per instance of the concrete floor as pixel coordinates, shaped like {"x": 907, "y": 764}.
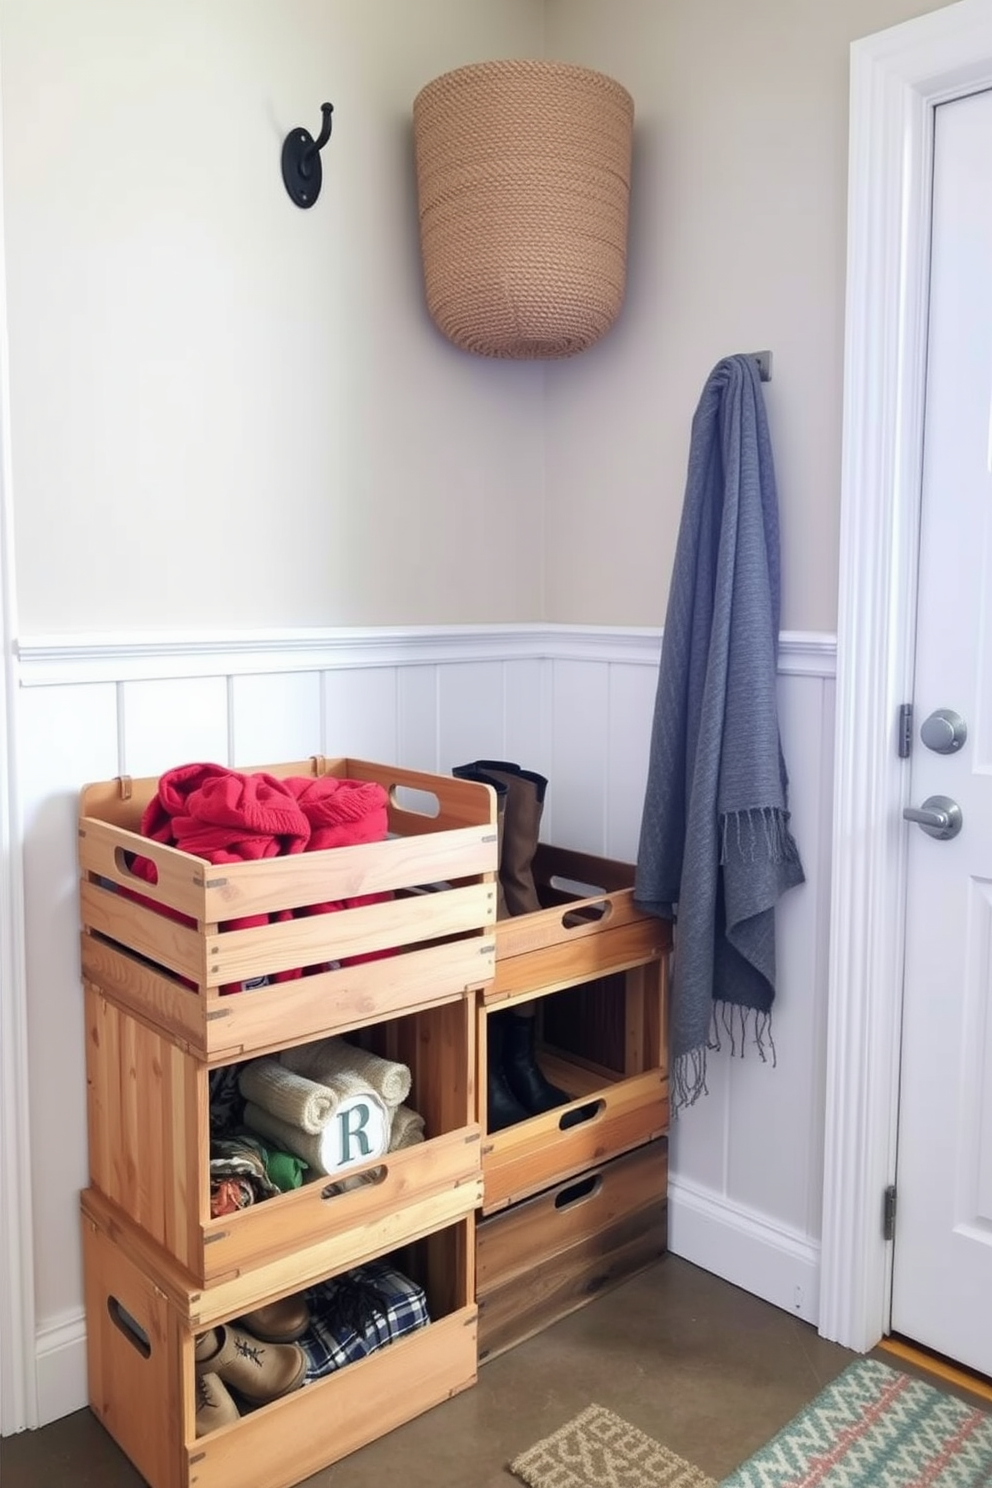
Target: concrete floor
{"x": 707, "y": 1369}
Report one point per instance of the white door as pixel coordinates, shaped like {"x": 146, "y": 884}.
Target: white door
{"x": 942, "y": 1258}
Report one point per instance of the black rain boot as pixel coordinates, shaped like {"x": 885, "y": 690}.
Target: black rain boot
{"x": 523, "y": 1073}
{"x": 502, "y": 1107}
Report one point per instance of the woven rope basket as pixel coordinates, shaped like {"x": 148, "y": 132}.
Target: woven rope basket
{"x": 523, "y": 181}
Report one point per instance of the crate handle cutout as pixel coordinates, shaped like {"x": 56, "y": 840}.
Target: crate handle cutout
{"x": 371, "y": 1179}
{"x": 586, "y": 1188}
{"x": 130, "y": 1327}
{"x": 581, "y": 1114}
{"x": 124, "y": 863}
{"x": 589, "y": 914}
{"x": 417, "y": 802}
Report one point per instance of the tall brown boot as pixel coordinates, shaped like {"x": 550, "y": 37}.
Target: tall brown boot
{"x": 469, "y": 772}
{"x": 524, "y": 809}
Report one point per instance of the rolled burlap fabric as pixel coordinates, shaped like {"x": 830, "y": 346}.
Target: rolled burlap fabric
{"x": 328, "y": 1058}
{"x": 407, "y": 1129}
{"x": 303, "y": 1103}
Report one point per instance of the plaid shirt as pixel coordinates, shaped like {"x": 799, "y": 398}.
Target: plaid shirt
{"x": 329, "y": 1344}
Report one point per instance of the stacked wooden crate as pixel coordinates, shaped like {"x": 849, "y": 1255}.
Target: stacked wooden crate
{"x": 575, "y": 1199}
{"x": 160, "y": 1270}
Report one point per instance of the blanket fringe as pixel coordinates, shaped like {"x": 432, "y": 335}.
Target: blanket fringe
{"x": 758, "y": 832}
{"x": 688, "y": 1073}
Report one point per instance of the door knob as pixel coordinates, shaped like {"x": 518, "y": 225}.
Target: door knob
{"x": 944, "y": 731}
{"x": 939, "y": 816}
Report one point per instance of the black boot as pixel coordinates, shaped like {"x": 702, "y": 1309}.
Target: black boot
{"x": 502, "y": 1107}
{"x": 523, "y": 1074}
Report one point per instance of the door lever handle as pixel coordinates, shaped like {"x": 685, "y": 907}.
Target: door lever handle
{"x": 939, "y": 817}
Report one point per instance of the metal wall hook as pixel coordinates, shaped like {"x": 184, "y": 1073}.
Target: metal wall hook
{"x": 301, "y": 168}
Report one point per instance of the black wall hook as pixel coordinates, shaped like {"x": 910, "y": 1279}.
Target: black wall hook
{"x": 301, "y": 169}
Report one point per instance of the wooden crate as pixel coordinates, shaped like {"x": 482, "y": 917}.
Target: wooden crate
{"x": 588, "y": 927}
{"x": 167, "y": 961}
{"x": 598, "y": 968}
{"x": 550, "y": 1254}
{"x": 142, "y": 1324}
{"x": 148, "y": 1115}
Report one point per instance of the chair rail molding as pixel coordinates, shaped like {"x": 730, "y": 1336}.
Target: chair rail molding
{"x": 58, "y": 661}
{"x": 897, "y": 79}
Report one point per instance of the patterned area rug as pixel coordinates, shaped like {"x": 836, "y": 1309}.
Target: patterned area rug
{"x": 599, "y": 1450}
{"x": 875, "y": 1427}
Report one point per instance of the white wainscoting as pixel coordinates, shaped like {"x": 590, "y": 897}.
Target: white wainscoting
{"x": 572, "y": 702}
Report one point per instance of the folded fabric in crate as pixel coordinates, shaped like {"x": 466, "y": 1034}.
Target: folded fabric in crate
{"x": 284, "y": 1169}
{"x": 156, "y": 823}
{"x": 327, "y": 1059}
{"x": 238, "y": 1176}
{"x": 235, "y": 818}
{"x": 169, "y": 800}
{"x": 227, "y": 1104}
{"x": 342, "y": 813}
{"x": 226, "y": 816}
{"x": 353, "y": 1315}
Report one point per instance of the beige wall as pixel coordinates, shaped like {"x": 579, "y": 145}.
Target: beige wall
{"x": 227, "y": 411}
{"x": 737, "y": 244}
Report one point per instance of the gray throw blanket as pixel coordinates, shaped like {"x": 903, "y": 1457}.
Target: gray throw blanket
{"x": 715, "y": 850}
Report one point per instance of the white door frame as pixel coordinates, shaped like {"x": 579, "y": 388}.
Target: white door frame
{"x": 897, "y": 79}
{"x": 18, "y": 1362}
{"x": 18, "y": 1374}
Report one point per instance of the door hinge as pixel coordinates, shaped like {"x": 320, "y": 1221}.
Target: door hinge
{"x": 905, "y": 730}
{"x": 889, "y": 1212}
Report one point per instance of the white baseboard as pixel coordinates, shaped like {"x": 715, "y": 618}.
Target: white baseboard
{"x": 61, "y": 1368}
{"x": 745, "y": 1248}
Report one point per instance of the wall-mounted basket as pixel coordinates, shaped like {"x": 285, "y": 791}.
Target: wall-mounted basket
{"x": 523, "y": 180}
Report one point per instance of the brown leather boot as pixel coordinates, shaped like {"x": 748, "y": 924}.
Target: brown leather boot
{"x": 258, "y": 1371}
{"x": 469, "y": 772}
{"x": 524, "y": 809}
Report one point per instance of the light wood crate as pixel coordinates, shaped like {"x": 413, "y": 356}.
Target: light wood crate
{"x": 599, "y": 968}
{"x": 543, "y": 1258}
{"x": 589, "y": 926}
{"x": 142, "y": 1381}
{"x": 149, "y": 1144}
{"x": 171, "y": 973}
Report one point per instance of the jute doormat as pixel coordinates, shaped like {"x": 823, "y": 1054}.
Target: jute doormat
{"x": 599, "y": 1450}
